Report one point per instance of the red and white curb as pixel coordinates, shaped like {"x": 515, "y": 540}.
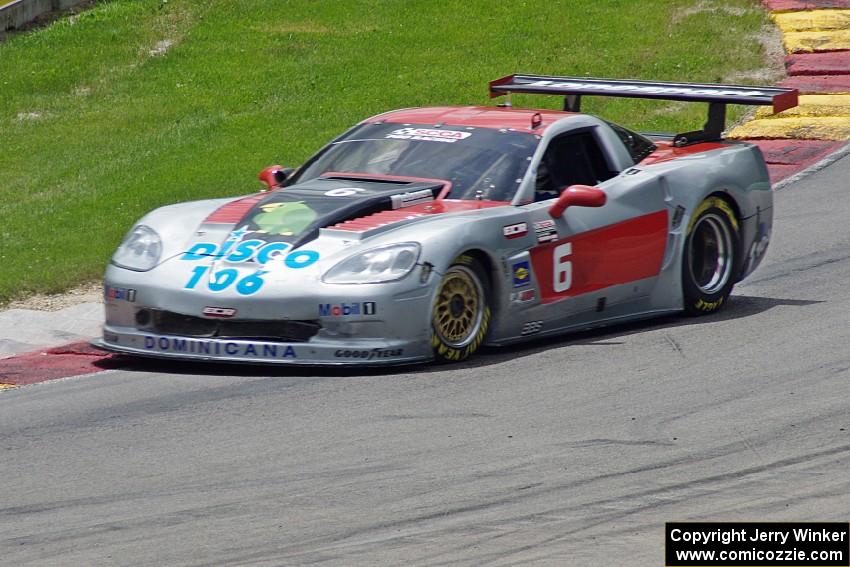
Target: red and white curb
{"x": 816, "y": 37}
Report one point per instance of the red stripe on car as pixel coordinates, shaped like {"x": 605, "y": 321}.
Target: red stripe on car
{"x": 495, "y": 118}
{"x": 620, "y": 253}
{"x": 439, "y": 206}
{"x": 667, "y": 151}
{"x": 232, "y": 212}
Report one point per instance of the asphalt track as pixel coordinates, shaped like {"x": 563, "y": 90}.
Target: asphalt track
{"x": 572, "y": 451}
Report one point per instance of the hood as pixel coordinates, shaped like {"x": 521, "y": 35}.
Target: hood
{"x": 251, "y": 232}
{"x": 294, "y": 215}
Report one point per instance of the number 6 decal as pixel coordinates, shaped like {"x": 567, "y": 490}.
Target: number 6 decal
{"x": 344, "y": 191}
{"x": 563, "y": 269}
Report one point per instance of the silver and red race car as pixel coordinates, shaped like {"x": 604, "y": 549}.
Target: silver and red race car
{"x": 425, "y": 233}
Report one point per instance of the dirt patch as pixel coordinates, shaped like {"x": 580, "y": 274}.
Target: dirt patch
{"x": 161, "y": 47}
{"x": 770, "y": 39}
{"x": 705, "y": 6}
{"x": 25, "y": 116}
{"x": 87, "y": 293}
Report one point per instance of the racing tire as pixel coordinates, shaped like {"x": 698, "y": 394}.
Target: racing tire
{"x": 460, "y": 317}
{"x": 710, "y": 260}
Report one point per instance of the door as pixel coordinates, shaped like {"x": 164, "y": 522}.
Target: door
{"x": 595, "y": 260}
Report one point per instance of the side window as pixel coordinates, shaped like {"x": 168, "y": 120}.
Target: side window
{"x": 638, "y": 146}
{"x": 571, "y": 159}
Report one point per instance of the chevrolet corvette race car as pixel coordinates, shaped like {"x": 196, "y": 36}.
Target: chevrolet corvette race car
{"x": 425, "y": 233}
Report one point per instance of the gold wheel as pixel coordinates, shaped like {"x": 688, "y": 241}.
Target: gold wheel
{"x": 459, "y": 308}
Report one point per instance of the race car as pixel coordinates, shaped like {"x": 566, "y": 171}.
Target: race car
{"x": 425, "y": 233}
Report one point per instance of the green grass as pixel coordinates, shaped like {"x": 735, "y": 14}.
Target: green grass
{"x": 95, "y": 130}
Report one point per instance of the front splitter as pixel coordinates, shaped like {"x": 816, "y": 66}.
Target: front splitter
{"x": 360, "y": 353}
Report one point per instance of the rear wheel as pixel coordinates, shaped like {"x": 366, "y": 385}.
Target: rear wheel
{"x": 711, "y": 257}
{"x": 460, "y": 317}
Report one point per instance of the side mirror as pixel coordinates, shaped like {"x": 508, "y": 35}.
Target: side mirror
{"x": 577, "y": 196}
{"x": 274, "y": 175}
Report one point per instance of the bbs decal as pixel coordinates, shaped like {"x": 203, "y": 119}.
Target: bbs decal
{"x": 531, "y": 328}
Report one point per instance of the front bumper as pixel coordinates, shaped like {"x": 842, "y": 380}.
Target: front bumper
{"x": 361, "y": 352}
{"x": 372, "y": 324}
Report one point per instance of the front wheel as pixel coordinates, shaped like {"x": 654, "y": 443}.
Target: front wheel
{"x": 460, "y": 317}
{"x": 710, "y": 257}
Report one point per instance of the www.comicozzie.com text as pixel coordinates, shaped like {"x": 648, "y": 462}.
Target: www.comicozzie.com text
{"x": 727, "y": 536}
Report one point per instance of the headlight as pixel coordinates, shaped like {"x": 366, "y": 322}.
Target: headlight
{"x": 383, "y": 264}
{"x": 140, "y": 249}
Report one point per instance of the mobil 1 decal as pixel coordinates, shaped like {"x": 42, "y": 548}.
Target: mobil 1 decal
{"x": 615, "y": 254}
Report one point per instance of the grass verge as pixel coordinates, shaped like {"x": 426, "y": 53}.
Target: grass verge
{"x": 138, "y": 103}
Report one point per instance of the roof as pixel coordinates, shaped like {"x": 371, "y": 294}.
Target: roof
{"x": 474, "y": 116}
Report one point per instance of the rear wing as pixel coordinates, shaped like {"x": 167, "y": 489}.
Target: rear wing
{"x": 718, "y": 96}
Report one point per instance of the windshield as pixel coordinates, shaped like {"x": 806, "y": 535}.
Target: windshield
{"x": 480, "y": 162}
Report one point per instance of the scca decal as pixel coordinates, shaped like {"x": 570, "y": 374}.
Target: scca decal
{"x": 429, "y": 135}
{"x": 620, "y": 253}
